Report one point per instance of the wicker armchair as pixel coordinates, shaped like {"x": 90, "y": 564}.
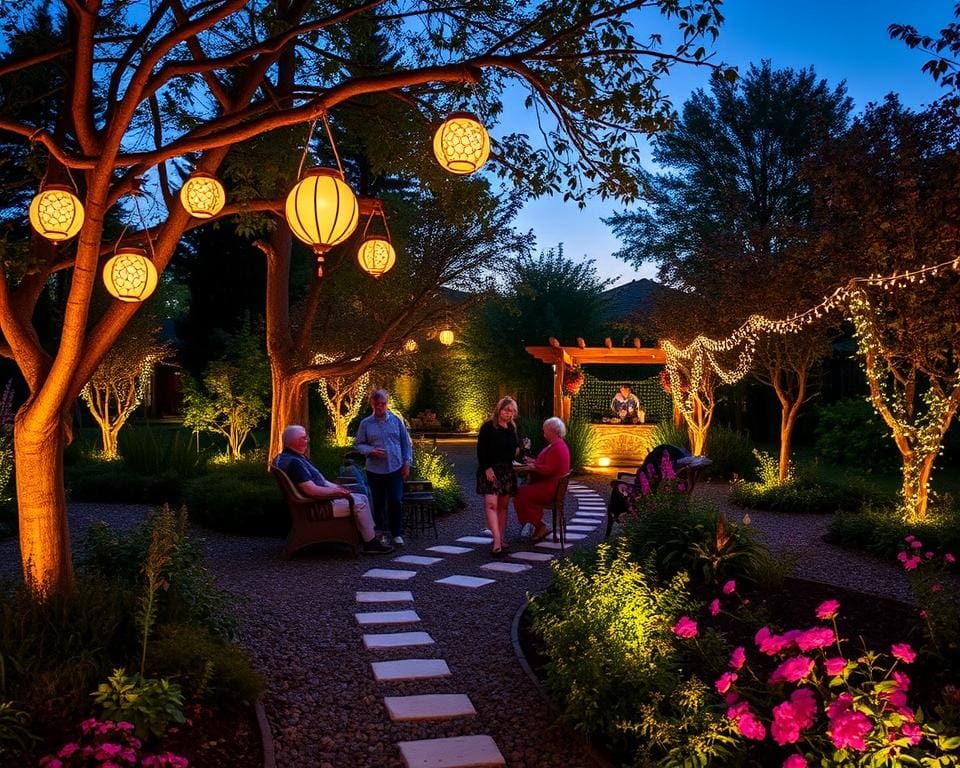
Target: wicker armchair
{"x": 312, "y": 521}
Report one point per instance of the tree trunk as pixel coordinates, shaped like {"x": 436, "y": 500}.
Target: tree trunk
{"x": 288, "y": 406}
{"x": 916, "y": 476}
{"x": 789, "y": 410}
{"x": 38, "y": 442}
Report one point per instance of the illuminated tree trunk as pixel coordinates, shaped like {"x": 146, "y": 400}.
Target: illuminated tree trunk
{"x": 789, "y": 410}
{"x": 289, "y": 405}
{"x": 698, "y": 426}
{"x": 39, "y": 437}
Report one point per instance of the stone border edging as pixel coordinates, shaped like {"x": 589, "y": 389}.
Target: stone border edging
{"x": 601, "y": 760}
{"x": 266, "y": 735}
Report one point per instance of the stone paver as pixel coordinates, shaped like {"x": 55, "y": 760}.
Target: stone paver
{"x": 396, "y": 640}
{"x": 574, "y": 536}
{"x": 476, "y": 540}
{"x": 384, "y": 597}
{"x": 388, "y": 573}
{"x": 581, "y": 528}
{"x": 409, "y": 669}
{"x": 549, "y": 545}
{"x": 430, "y": 706}
{"x": 593, "y": 522}
{"x": 506, "y": 567}
{"x": 447, "y": 549}
{"x": 471, "y": 582}
{"x": 387, "y": 617}
{"x": 534, "y": 557}
{"x": 456, "y": 752}
{"x": 417, "y": 560}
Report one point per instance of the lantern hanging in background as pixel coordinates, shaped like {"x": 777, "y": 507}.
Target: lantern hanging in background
{"x": 376, "y": 254}
{"x": 130, "y": 275}
{"x": 411, "y": 346}
{"x": 202, "y": 195}
{"x": 322, "y": 211}
{"x": 56, "y": 213}
{"x": 461, "y": 143}
{"x": 446, "y": 337}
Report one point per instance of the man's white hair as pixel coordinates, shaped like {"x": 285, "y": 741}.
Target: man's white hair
{"x": 291, "y": 433}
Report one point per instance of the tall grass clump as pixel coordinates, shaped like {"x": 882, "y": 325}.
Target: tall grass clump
{"x": 583, "y": 443}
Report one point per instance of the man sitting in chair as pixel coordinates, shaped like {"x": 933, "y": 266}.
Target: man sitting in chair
{"x": 310, "y": 482}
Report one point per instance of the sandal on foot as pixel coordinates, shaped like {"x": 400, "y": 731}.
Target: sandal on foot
{"x": 540, "y": 536}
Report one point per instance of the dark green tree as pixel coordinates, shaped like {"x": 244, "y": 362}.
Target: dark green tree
{"x": 730, "y": 224}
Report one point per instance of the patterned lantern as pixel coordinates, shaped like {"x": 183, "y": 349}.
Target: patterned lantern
{"x": 461, "y": 143}
{"x": 130, "y": 275}
{"x": 446, "y": 337}
{"x": 322, "y": 210}
{"x": 202, "y": 195}
{"x": 411, "y": 346}
{"x": 376, "y": 256}
{"x": 56, "y": 213}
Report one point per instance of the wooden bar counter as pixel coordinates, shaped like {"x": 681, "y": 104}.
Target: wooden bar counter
{"x": 625, "y": 445}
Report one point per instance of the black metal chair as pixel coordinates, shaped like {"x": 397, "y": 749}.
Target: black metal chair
{"x": 558, "y": 516}
{"x": 419, "y": 507}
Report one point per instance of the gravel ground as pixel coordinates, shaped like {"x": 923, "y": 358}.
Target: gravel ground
{"x": 324, "y": 706}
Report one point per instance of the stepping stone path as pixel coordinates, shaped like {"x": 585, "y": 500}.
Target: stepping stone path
{"x": 476, "y": 751}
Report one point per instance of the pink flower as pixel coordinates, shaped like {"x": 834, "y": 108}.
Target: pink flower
{"x": 935, "y": 588}
{"x": 730, "y": 586}
{"x": 949, "y": 559}
{"x": 51, "y": 762}
{"x": 817, "y": 637}
{"x": 902, "y": 557}
{"x": 724, "y": 682}
{"x": 124, "y": 726}
{"x": 666, "y": 468}
{"x": 68, "y": 749}
{"x": 644, "y": 485}
{"x": 928, "y": 555}
{"x": 715, "y": 607}
{"x": 681, "y": 487}
{"x": 911, "y": 563}
{"x": 751, "y": 728}
{"x": 792, "y": 670}
{"x": 795, "y": 761}
{"x": 805, "y": 705}
{"x": 769, "y": 643}
{"x": 685, "y": 627}
{"x": 834, "y": 665}
{"x": 87, "y": 725}
{"x": 915, "y": 544}
{"x": 848, "y": 729}
{"x": 912, "y": 732}
{"x": 903, "y": 652}
{"x": 738, "y": 657}
{"x": 902, "y": 680}
{"x": 108, "y": 750}
{"x": 827, "y": 610}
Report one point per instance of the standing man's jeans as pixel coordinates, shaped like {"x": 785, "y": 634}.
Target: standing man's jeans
{"x": 387, "y": 492}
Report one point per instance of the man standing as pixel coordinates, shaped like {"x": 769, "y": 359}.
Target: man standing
{"x": 310, "y": 482}
{"x": 383, "y": 439}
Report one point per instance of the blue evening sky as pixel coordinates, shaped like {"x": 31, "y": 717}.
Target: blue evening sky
{"x": 842, "y": 40}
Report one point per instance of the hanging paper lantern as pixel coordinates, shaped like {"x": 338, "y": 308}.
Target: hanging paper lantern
{"x": 322, "y": 210}
{"x": 461, "y": 143}
{"x": 56, "y": 213}
{"x": 376, "y": 256}
{"x": 202, "y": 195}
{"x": 411, "y": 345}
{"x": 130, "y": 275}
{"x": 446, "y": 337}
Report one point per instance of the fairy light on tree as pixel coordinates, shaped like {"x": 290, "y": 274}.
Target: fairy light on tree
{"x": 342, "y": 396}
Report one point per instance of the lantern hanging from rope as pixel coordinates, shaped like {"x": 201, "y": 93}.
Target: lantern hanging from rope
{"x": 376, "y": 254}
{"x": 56, "y": 213}
{"x": 202, "y": 195}
{"x": 130, "y": 275}
{"x": 461, "y": 143}
{"x": 446, "y": 337}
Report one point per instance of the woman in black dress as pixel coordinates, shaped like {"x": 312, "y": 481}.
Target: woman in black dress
{"x": 498, "y": 445}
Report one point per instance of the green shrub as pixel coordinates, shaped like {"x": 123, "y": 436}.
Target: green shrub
{"x": 668, "y": 433}
{"x": 151, "y": 705}
{"x": 113, "y": 482}
{"x": 54, "y": 650}
{"x": 731, "y": 453}
{"x": 15, "y": 735}
{"x": 239, "y": 497}
{"x": 208, "y": 669}
{"x": 851, "y": 432}
{"x": 583, "y": 443}
{"x": 191, "y": 597}
{"x": 615, "y": 664}
{"x": 805, "y": 494}
{"x": 9, "y": 522}
{"x": 148, "y": 453}
{"x": 881, "y": 529}
{"x": 430, "y": 464}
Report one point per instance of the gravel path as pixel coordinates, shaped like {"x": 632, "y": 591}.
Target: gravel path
{"x": 325, "y": 707}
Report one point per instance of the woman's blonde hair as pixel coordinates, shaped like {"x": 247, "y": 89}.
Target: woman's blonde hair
{"x": 502, "y": 403}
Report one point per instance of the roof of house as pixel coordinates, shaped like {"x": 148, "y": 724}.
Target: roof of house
{"x": 631, "y": 301}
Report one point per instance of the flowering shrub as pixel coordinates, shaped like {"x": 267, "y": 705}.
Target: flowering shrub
{"x": 828, "y": 709}
{"x": 928, "y": 575}
{"x": 108, "y": 744}
{"x": 572, "y": 381}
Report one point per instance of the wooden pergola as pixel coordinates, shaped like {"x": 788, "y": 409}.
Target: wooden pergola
{"x": 561, "y": 358}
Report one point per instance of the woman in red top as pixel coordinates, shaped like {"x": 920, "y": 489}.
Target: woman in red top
{"x": 552, "y": 463}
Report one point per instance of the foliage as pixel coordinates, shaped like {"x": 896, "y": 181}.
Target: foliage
{"x": 942, "y": 67}
{"x": 804, "y": 494}
{"x": 730, "y": 451}
{"x": 107, "y": 744}
{"x": 615, "y": 663}
{"x": 880, "y": 529}
{"x": 583, "y": 443}
{"x": 209, "y": 670}
{"x": 769, "y": 470}
{"x": 111, "y": 482}
{"x": 668, "y": 433}
{"x": 850, "y": 432}
{"x": 343, "y": 396}
{"x": 15, "y": 735}
{"x": 150, "y": 704}
{"x": 431, "y": 464}
{"x": 232, "y": 399}
{"x": 52, "y": 651}
{"x": 147, "y": 452}
{"x": 192, "y": 596}
{"x": 864, "y": 696}
{"x": 240, "y": 498}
